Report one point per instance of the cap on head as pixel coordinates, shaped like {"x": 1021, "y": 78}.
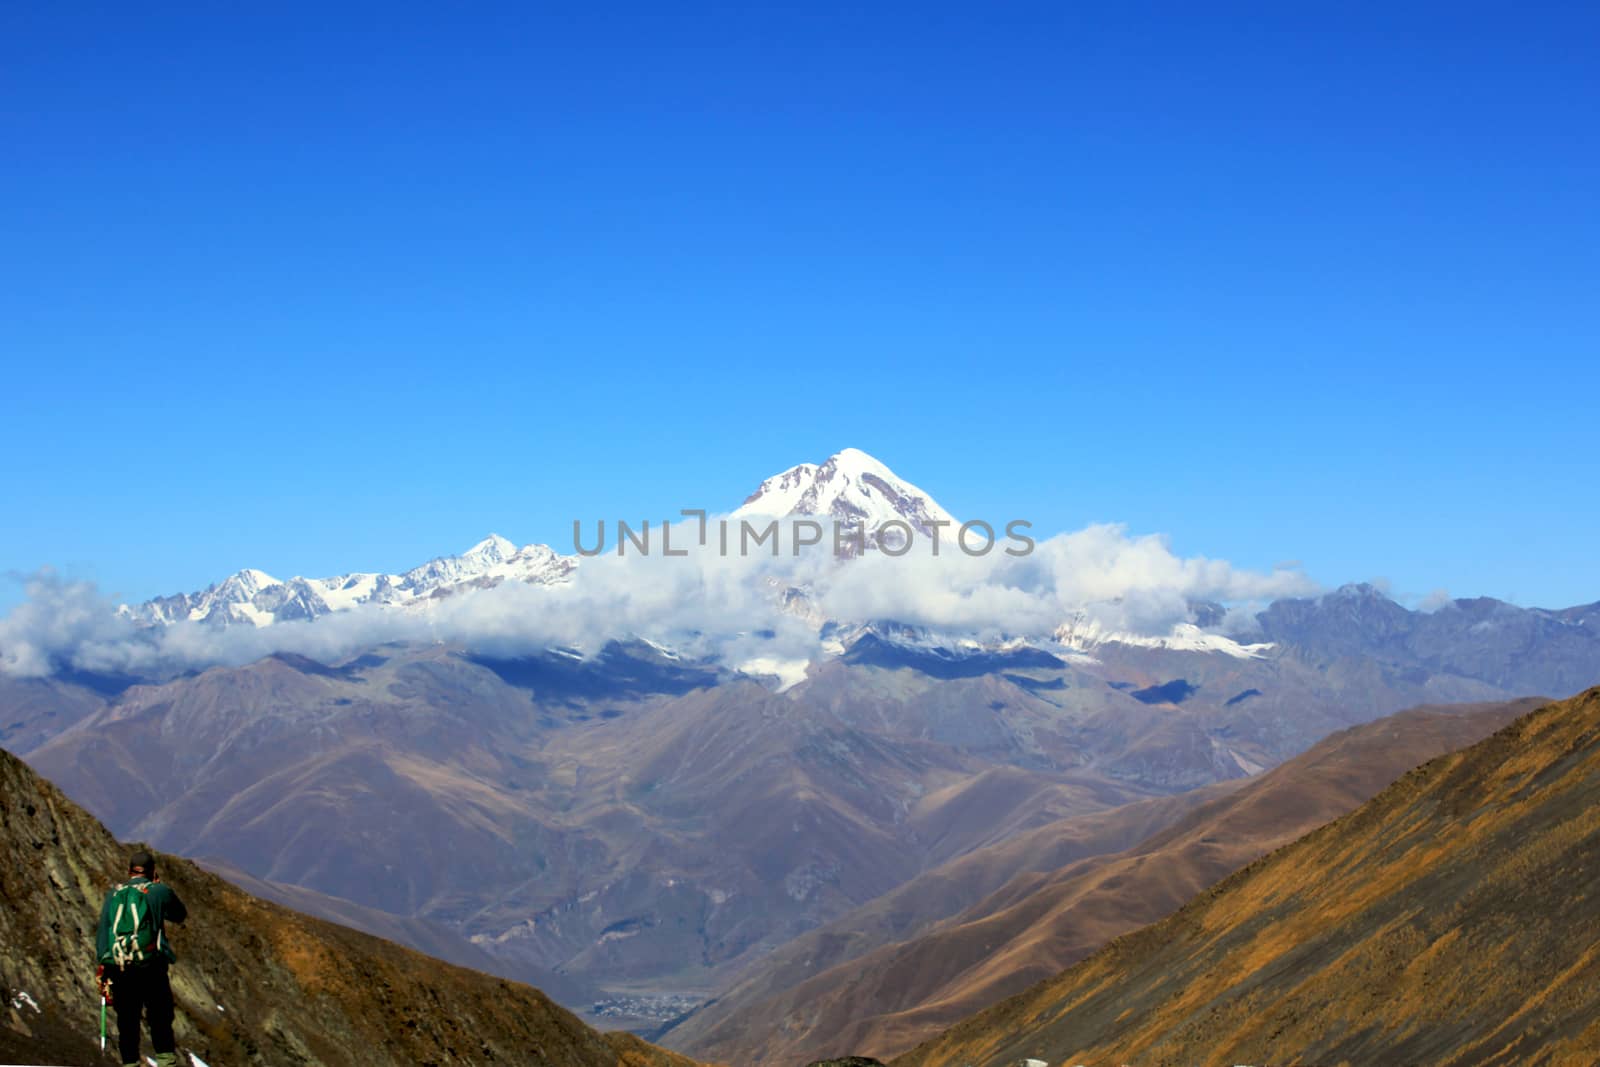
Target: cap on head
{"x": 142, "y": 862}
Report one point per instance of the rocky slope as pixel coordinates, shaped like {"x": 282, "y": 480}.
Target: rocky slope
{"x": 1451, "y": 920}
{"x": 1063, "y": 898}
{"x": 256, "y": 983}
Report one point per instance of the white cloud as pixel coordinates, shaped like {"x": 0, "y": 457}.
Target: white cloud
{"x": 702, "y": 603}
{"x": 1435, "y": 600}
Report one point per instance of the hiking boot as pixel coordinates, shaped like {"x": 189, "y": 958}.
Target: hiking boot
{"x": 166, "y": 1059}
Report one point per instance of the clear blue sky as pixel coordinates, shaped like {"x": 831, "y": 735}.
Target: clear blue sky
{"x": 316, "y": 290}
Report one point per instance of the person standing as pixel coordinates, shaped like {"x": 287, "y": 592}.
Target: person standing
{"x": 134, "y": 954}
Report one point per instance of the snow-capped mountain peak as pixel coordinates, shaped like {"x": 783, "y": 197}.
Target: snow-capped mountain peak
{"x": 491, "y": 550}
{"x": 849, "y": 486}
{"x": 256, "y": 598}
{"x": 246, "y": 583}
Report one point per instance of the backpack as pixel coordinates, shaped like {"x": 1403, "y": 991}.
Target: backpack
{"x": 134, "y": 938}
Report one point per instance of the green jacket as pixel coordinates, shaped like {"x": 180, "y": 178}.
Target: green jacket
{"x": 165, "y": 907}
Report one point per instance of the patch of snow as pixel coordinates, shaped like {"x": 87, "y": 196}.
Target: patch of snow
{"x": 253, "y": 615}
{"x": 789, "y": 672}
{"x": 21, "y": 998}
{"x": 342, "y": 594}
{"x": 663, "y": 651}
{"x": 1248, "y": 766}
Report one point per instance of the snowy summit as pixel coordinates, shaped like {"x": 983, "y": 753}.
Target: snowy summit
{"x": 849, "y": 486}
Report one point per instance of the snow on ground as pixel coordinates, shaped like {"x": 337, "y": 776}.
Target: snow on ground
{"x": 789, "y": 672}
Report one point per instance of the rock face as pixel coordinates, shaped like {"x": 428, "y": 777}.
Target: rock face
{"x": 1450, "y": 920}
{"x": 255, "y": 982}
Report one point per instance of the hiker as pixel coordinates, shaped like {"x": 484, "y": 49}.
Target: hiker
{"x": 134, "y": 954}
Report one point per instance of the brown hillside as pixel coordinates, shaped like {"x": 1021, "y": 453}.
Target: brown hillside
{"x": 1452, "y": 920}
{"x": 884, "y": 1001}
{"x": 736, "y": 1022}
{"x": 256, "y": 983}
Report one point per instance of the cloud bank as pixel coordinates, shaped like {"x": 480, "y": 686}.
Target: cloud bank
{"x": 730, "y": 607}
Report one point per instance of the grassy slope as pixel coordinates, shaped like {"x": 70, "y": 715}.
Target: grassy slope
{"x": 1454, "y": 919}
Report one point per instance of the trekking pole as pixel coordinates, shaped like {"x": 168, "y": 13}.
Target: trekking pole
{"x": 102, "y": 1022}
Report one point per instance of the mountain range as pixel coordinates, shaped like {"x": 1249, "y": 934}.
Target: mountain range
{"x": 255, "y": 598}
{"x": 631, "y": 822}
{"x": 1478, "y": 638}
{"x": 642, "y": 829}
{"x": 636, "y": 831}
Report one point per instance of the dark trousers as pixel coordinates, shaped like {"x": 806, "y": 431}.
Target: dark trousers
{"x": 143, "y": 988}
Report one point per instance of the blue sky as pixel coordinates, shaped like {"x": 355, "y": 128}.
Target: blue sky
{"x": 315, "y": 291}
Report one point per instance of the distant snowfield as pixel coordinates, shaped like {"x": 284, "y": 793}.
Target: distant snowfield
{"x": 1187, "y": 637}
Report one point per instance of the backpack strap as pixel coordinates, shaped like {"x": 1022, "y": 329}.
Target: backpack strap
{"x": 117, "y": 949}
{"x": 124, "y": 952}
